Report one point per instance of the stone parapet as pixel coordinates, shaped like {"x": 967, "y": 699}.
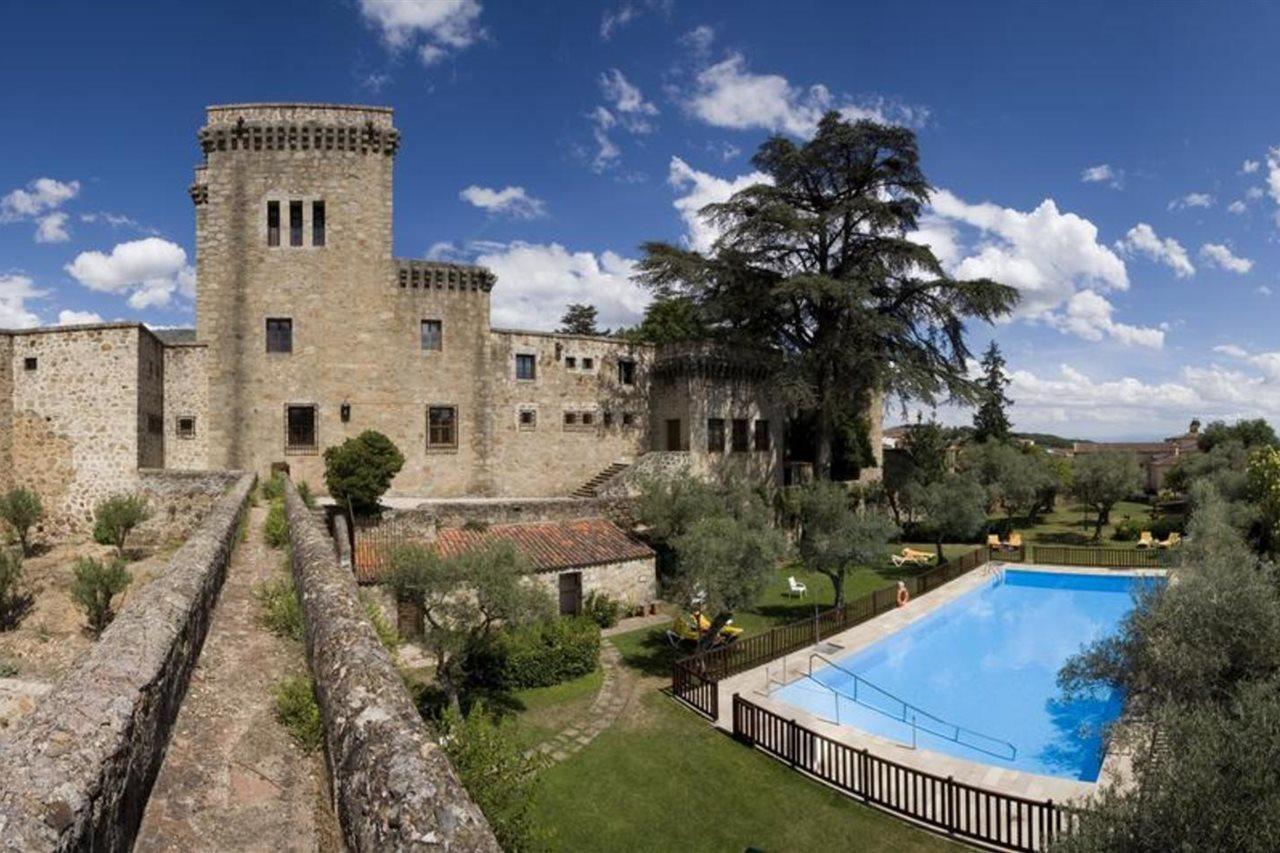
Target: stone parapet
{"x": 393, "y": 786}
{"x": 413, "y": 274}
{"x": 78, "y": 770}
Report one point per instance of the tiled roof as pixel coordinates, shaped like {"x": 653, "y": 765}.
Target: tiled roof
{"x": 549, "y": 545}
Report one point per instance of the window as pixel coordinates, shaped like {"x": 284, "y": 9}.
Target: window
{"x": 588, "y": 363}
{"x": 763, "y": 441}
{"x": 317, "y": 223}
{"x": 30, "y": 363}
{"x": 608, "y": 419}
{"x": 273, "y": 223}
{"x": 741, "y": 431}
{"x": 627, "y": 372}
{"x": 570, "y": 419}
{"x": 442, "y": 427}
{"x": 185, "y": 426}
{"x": 715, "y": 435}
{"x": 528, "y": 419}
{"x": 279, "y": 334}
{"x": 432, "y": 335}
{"x": 628, "y": 419}
{"x": 588, "y": 418}
{"x": 300, "y": 428}
{"x": 570, "y": 362}
{"x": 295, "y": 223}
{"x": 526, "y": 366}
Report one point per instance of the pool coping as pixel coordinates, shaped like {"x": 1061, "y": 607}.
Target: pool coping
{"x": 754, "y": 684}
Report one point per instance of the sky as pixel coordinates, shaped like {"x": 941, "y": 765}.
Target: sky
{"x": 1119, "y": 163}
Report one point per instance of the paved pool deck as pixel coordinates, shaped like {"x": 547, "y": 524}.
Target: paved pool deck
{"x": 758, "y": 684}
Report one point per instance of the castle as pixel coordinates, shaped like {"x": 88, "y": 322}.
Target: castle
{"x": 309, "y": 331}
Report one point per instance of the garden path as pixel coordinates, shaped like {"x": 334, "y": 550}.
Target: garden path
{"x": 615, "y": 692}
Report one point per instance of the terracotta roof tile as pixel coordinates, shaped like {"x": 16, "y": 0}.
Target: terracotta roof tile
{"x": 549, "y": 545}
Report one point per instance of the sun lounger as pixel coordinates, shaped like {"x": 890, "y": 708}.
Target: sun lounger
{"x": 1172, "y": 541}
{"x": 1145, "y": 540}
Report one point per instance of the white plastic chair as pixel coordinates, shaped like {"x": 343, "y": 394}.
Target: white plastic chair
{"x": 794, "y": 587}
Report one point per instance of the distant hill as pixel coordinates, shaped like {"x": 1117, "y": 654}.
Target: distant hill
{"x": 1043, "y": 439}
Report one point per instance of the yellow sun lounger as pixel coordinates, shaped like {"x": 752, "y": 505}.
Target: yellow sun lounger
{"x": 1145, "y": 540}
{"x": 912, "y": 557}
{"x": 682, "y": 630}
{"x": 1172, "y": 541}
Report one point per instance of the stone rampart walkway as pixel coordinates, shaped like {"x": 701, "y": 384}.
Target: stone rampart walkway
{"x": 232, "y": 778}
{"x": 614, "y": 694}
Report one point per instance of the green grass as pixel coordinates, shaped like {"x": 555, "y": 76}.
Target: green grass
{"x": 668, "y": 781}
{"x": 543, "y": 711}
{"x": 1070, "y": 524}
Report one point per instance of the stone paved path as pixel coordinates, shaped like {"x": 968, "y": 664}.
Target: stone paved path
{"x": 232, "y": 778}
{"x": 614, "y": 694}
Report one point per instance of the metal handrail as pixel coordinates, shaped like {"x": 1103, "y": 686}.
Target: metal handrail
{"x": 916, "y": 711}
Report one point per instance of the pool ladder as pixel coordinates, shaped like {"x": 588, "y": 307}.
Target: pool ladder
{"x": 911, "y": 715}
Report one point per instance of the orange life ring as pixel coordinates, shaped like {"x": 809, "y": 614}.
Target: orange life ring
{"x": 903, "y": 595}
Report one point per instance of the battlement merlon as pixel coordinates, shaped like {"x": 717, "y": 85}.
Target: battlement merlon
{"x": 413, "y": 274}
{"x": 299, "y": 127}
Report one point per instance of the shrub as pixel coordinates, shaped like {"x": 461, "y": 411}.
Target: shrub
{"x": 304, "y": 492}
{"x": 116, "y": 517}
{"x": 604, "y": 610}
{"x": 12, "y": 603}
{"x": 539, "y": 654}
{"x": 272, "y": 488}
{"x": 8, "y": 670}
{"x": 281, "y": 611}
{"x": 387, "y": 634}
{"x": 497, "y": 774}
{"x": 1128, "y": 530}
{"x": 22, "y": 510}
{"x": 276, "y": 528}
{"x": 297, "y": 711}
{"x": 96, "y": 584}
{"x": 360, "y": 470}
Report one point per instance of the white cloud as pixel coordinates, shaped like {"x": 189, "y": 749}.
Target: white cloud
{"x": 1222, "y": 257}
{"x": 612, "y": 20}
{"x": 727, "y": 94}
{"x": 627, "y": 109}
{"x": 1264, "y": 290}
{"x": 1047, "y": 254}
{"x": 1237, "y": 207}
{"x": 1104, "y": 173}
{"x": 510, "y": 201}
{"x": 1142, "y": 238}
{"x": 150, "y": 270}
{"x": 537, "y": 280}
{"x": 1191, "y": 200}
{"x": 68, "y": 317}
{"x": 1254, "y": 193}
{"x": 1248, "y": 167}
{"x": 437, "y": 28}
{"x": 39, "y": 202}
{"x": 52, "y": 228}
{"x": 1088, "y": 315}
{"x": 699, "y": 39}
{"x": 15, "y": 290}
{"x": 702, "y": 189}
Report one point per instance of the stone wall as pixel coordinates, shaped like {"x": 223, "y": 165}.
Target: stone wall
{"x": 76, "y": 410}
{"x": 632, "y": 582}
{"x": 79, "y": 768}
{"x": 6, "y": 411}
{"x": 151, "y": 383}
{"x": 393, "y": 786}
{"x": 186, "y": 395}
{"x": 455, "y": 513}
{"x": 179, "y": 502}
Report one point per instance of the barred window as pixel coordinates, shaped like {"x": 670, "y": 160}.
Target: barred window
{"x": 273, "y": 223}
{"x": 300, "y": 428}
{"x": 295, "y": 223}
{"x": 185, "y": 426}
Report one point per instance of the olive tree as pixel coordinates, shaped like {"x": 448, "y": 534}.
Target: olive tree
{"x": 21, "y": 510}
{"x": 1101, "y": 480}
{"x": 954, "y": 507}
{"x": 835, "y": 537}
{"x": 115, "y": 518}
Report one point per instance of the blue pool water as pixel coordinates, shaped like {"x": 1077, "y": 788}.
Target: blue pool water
{"x": 987, "y": 662}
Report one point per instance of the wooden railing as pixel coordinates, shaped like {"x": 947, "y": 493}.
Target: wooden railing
{"x": 1104, "y": 558}
{"x": 988, "y": 817}
{"x": 719, "y": 663}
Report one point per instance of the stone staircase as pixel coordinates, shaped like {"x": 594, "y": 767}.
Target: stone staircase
{"x": 590, "y": 489}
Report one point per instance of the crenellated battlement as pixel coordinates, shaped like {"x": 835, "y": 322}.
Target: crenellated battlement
{"x": 299, "y": 127}
{"x": 434, "y": 275}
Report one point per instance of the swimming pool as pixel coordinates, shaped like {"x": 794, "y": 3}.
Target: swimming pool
{"x": 986, "y": 663}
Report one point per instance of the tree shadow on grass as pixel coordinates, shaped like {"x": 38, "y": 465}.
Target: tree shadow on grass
{"x": 652, "y": 653}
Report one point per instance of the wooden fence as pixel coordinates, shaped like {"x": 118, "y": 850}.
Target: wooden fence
{"x": 695, "y": 679}
{"x": 1103, "y": 558}
{"x": 988, "y": 817}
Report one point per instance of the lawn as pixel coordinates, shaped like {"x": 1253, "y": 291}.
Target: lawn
{"x": 1070, "y": 524}
{"x": 663, "y": 779}
{"x": 541, "y": 712}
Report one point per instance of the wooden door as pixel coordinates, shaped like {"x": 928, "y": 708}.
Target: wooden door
{"x": 570, "y": 593}
{"x": 673, "y": 434}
